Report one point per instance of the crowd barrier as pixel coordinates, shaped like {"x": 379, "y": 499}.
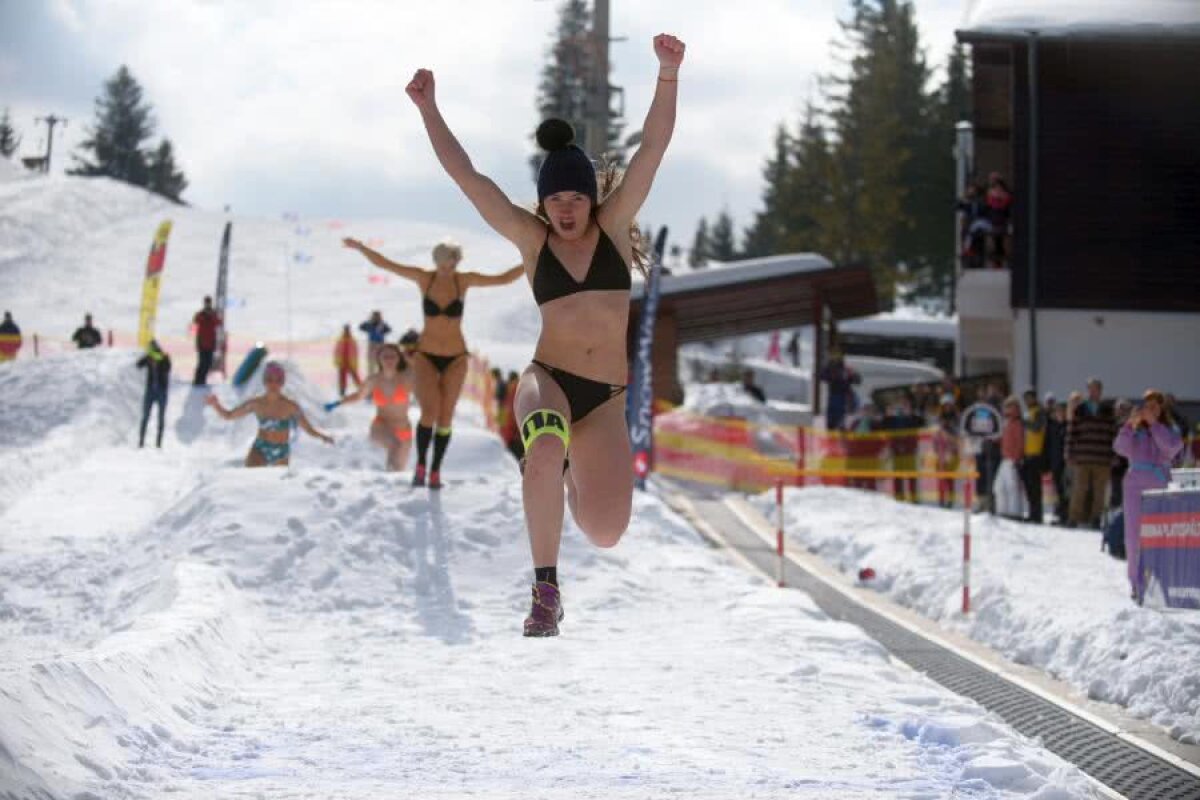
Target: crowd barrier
{"x": 921, "y": 464}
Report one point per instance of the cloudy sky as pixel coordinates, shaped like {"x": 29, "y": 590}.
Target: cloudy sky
{"x": 299, "y": 105}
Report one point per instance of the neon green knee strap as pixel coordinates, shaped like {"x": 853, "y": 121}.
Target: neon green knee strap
{"x": 544, "y": 421}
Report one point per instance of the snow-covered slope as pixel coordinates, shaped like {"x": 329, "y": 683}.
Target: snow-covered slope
{"x": 70, "y": 245}
{"x": 172, "y": 624}
{"x": 1041, "y": 595}
{"x": 326, "y": 630}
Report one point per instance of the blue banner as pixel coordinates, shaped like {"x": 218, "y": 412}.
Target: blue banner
{"x": 640, "y": 411}
{"x": 1170, "y": 545}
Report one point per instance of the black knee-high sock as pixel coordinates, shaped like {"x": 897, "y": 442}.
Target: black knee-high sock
{"x": 440, "y": 440}
{"x": 424, "y": 434}
{"x": 546, "y": 575}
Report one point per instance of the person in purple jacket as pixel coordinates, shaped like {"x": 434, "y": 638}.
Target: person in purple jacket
{"x": 1149, "y": 444}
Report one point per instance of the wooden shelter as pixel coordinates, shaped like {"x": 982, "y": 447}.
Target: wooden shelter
{"x": 750, "y": 296}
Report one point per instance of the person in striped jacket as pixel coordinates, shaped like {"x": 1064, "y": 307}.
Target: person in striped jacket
{"x": 1090, "y": 437}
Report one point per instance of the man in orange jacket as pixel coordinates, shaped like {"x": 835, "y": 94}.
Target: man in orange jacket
{"x": 345, "y": 358}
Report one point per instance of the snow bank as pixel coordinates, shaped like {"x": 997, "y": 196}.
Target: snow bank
{"x": 60, "y": 407}
{"x": 125, "y": 709}
{"x": 1042, "y": 595}
{"x": 172, "y": 624}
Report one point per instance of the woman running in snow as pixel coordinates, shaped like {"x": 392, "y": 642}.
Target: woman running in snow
{"x": 276, "y": 416}
{"x": 389, "y": 388}
{"x": 442, "y": 366}
{"x": 577, "y": 250}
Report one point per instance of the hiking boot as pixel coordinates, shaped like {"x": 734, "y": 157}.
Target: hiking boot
{"x": 546, "y": 612}
{"x": 419, "y": 475}
{"x": 435, "y": 480}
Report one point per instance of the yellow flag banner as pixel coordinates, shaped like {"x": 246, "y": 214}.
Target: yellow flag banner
{"x": 154, "y": 268}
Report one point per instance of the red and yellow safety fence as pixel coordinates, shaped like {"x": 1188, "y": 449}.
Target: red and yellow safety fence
{"x": 920, "y": 464}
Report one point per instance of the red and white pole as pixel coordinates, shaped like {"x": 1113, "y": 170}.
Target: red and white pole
{"x": 779, "y": 527}
{"x": 968, "y": 486}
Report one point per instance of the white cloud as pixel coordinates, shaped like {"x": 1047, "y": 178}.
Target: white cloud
{"x": 310, "y": 94}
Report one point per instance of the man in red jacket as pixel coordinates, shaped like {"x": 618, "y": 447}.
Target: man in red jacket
{"x": 207, "y": 322}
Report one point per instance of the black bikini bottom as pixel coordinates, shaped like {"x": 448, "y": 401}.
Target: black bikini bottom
{"x": 441, "y": 363}
{"x": 584, "y": 395}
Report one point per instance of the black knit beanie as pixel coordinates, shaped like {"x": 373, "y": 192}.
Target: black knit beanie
{"x": 566, "y": 167}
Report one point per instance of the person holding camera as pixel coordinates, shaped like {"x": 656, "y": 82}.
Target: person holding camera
{"x": 1149, "y": 444}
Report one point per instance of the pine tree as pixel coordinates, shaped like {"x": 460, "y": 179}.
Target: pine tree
{"x": 9, "y": 140}
{"x": 882, "y": 120}
{"x": 764, "y": 237}
{"x": 701, "y": 246}
{"x": 563, "y": 88}
{"x": 720, "y": 241}
{"x": 163, "y": 177}
{"x": 808, "y": 202}
{"x": 124, "y": 122}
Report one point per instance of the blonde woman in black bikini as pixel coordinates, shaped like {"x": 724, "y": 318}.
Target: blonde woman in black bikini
{"x": 441, "y": 365}
{"x": 577, "y": 250}
{"x": 389, "y": 389}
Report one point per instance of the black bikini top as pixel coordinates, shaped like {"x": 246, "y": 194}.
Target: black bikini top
{"x": 453, "y": 309}
{"x": 607, "y": 272}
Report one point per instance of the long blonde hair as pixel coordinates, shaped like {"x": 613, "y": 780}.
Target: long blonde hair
{"x": 608, "y": 177}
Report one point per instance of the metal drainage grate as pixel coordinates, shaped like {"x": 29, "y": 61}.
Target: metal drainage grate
{"x": 1123, "y": 767}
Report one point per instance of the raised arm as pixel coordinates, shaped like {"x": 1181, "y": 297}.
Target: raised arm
{"x": 236, "y": 413}
{"x": 620, "y": 207}
{"x": 472, "y": 279}
{"x": 414, "y": 274}
{"x": 510, "y": 221}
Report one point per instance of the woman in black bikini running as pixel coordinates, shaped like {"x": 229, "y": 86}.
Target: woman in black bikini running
{"x": 442, "y": 365}
{"x": 576, "y": 251}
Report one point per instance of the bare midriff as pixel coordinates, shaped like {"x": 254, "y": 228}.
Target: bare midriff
{"x": 584, "y": 333}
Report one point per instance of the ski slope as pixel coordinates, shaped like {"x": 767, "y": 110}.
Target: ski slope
{"x": 172, "y": 624}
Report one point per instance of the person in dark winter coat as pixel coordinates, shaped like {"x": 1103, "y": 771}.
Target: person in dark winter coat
{"x": 207, "y": 321}
{"x": 86, "y": 337}
{"x": 1056, "y": 455}
{"x": 841, "y": 379}
{"x": 158, "y": 376}
{"x": 1090, "y": 436}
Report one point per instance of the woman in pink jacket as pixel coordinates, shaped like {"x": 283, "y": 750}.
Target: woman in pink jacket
{"x": 1149, "y": 444}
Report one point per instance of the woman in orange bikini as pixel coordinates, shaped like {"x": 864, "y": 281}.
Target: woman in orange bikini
{"x": 389, "y": 390}
{"x": 441, "y": 366}
{"x": 577, "y": 250}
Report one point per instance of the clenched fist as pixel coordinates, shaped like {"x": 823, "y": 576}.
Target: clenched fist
{"x": 668, "y": 49}
{"x": 420, "y": 88}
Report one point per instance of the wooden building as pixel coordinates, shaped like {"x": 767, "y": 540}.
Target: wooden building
{"x": 750, "y": 296}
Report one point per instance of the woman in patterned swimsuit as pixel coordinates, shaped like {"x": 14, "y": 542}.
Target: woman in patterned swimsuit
{"x": 276, "y": 416}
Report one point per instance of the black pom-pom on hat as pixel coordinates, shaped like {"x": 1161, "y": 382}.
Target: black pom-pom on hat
{"x": 555, "y": 134}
